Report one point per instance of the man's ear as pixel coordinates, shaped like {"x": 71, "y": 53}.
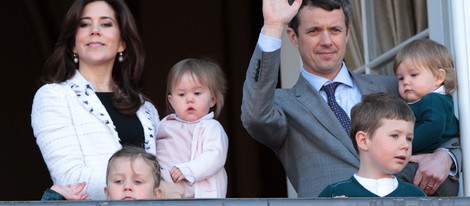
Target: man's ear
{"x": 292, "y": 36}
{"x": 362, "y": 140}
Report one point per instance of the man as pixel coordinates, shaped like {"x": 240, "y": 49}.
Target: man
{"x": 298, "y": 123}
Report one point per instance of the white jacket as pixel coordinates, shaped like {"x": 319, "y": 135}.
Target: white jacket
{"x": 76, "y": 135}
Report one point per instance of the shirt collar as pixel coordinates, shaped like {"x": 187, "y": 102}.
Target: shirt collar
{"x": 380, "y": 187}
{"x": 440, "y": 90}
{"x": 205, "y": 117}
{"x": 317, "y": 82}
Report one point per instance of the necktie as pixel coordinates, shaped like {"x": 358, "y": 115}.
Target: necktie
{"x": 339, "y": 112}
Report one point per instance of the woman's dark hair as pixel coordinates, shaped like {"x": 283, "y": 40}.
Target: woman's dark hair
{"x": 126, "y": 75}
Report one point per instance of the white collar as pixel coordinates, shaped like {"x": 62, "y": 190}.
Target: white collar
{"x": 317, "y": 82}
{"x": 207, "y": 116}
{"x": 380, "y": 187}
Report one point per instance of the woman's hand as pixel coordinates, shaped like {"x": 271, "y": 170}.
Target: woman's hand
{"x": 71, "y": 192}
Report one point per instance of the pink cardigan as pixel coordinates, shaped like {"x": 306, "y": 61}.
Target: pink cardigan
{"x": 199, "y": 149}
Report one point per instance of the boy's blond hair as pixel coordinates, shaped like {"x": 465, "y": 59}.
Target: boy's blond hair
{"x": 134, "y": 153}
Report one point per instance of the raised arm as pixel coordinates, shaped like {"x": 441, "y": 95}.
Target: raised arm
{"x": 277, "y": 14}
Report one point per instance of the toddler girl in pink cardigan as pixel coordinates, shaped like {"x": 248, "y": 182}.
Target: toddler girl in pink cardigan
{"x": 191, "y": 145}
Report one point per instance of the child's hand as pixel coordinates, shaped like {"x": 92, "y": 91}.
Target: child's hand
{"x": 71, "y": 193}
{"x": 177, "y": 175}
{"x": 172, "y": 190}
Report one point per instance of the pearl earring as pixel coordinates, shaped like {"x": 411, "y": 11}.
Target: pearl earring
{"x": 120, "y": 58}
{"x": 75, "y": 58}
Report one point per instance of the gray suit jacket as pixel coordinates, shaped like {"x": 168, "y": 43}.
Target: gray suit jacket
{"x": 299, "y": 126}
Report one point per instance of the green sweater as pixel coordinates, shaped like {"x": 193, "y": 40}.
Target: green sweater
{"x": 435, "y": 122}
{"x": 352, "y": 188}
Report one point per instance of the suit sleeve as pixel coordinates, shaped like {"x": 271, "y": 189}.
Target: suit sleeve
{"x": 453, "y": 145}
{"x": 260, "y": 116}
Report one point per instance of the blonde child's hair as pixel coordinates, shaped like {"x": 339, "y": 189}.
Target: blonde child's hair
{"x": 207, "y": 72}
{"x": 133, "y": 153}
{"x": 432, "y": 55}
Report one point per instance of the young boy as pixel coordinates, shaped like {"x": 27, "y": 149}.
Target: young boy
{"x": 132, "y": 173}
{"x": 382, "y": 133}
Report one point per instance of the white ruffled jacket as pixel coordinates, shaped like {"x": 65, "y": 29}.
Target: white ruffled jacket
{"x": 76, "y": 135}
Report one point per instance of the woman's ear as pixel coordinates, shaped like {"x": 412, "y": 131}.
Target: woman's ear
{"x": 362, "y": 140}
{"x": 122, "y": 46}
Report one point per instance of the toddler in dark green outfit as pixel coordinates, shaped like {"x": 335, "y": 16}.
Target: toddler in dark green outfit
{"x": 426, "y": 80}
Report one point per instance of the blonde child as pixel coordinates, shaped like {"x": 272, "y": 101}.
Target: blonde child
{"x": 191, "y": 145}
{"x": 426, "y": 81}
{"x": 382, "y": 133}
{"x": 132, "y": 173}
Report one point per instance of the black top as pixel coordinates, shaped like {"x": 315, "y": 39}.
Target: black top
{"x": 129, "y": 128}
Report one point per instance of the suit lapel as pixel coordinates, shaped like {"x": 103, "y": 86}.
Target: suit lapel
{"x": 365, "y": 85}
{"x": 315, "y": 103}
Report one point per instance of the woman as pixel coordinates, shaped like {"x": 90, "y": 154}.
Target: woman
{"x": 89, "y": 105}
